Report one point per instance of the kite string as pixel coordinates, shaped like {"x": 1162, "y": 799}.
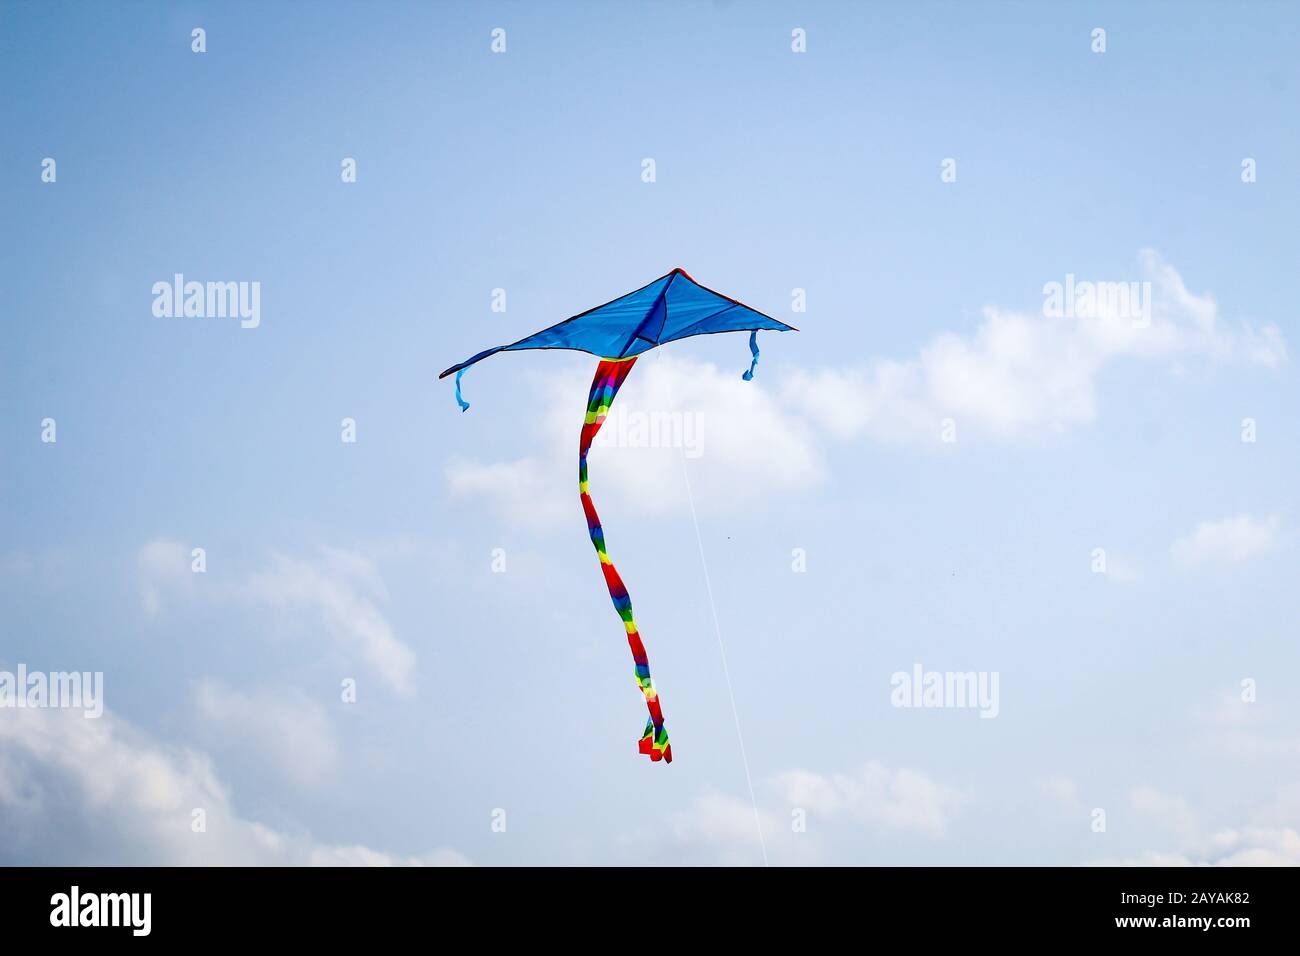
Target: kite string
{"x": 726, "y": 671}
{"x": 610, "y": 374}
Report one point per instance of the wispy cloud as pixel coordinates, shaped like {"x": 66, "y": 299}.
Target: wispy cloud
{"x": 164, "y": 568}
{"x": 98, "y": 792}
{"x": 342, "y": 590}
{"x": 1228, "y": 540}
{"x": 1247, "y": 728}
{"x": 337, "y": 591}
{"x": 1060, "y": 793}
{"x": 283, "y": 728}
{"x": 802, "y": 815}
{"x": 1196, "y": 844}
{"x": 741, "y": 445}
{"x": 521, "y": 490}
{"x": 1022, "y": 374}
{"x": 875, "y": 795}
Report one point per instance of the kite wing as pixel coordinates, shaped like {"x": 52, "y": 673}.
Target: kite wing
{"x": 672, "y": 307}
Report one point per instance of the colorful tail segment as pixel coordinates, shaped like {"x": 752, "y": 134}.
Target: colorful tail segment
{"x": 610, "y": 374}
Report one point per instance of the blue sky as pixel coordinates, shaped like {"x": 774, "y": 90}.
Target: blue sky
{"x": 774, "y": 171}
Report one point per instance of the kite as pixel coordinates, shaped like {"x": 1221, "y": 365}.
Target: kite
{"x": 672, "y": 307}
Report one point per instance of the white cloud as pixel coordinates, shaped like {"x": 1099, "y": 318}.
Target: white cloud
{"x": 1248, "y": 846}
{"x": 1018, "y": 375}
{"x": 719, "y": 828}
{"x": 738, "y": 441}
{"x": 1254, "y": 846}
{"x": 885, "y": 799}
{"x": 1122, "y": 569}
{"x": 165, "y": 567}
{"x": 100, "y": 792}
{"x": 1060, "y": 792}
{"x": 1196, "y": 844}
{"x": 1169, "y": 812}
{"x": 714, "y": 829}
{"x": 343, "y": 590}
{"x": 364, "y": 856}
{"x": 1255, "y": 730}
{"x": 338, "y": 592}
{"x": 1227, "y": 541}
{"x": 1022, "y": 374}
{"x": 836, "y": 811}
{"x": 521, "y": 490}
{"x": 288, "y": 731}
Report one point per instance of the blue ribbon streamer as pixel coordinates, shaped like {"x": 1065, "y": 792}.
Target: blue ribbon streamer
{"x": 464, "y": 405}
{"x": 753, "y": 348}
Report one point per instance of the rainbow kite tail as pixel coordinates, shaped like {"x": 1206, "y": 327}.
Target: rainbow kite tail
{"x": 610, "y": 374}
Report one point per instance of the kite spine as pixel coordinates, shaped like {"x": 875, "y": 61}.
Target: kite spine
{"x": 610, "y": 374}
